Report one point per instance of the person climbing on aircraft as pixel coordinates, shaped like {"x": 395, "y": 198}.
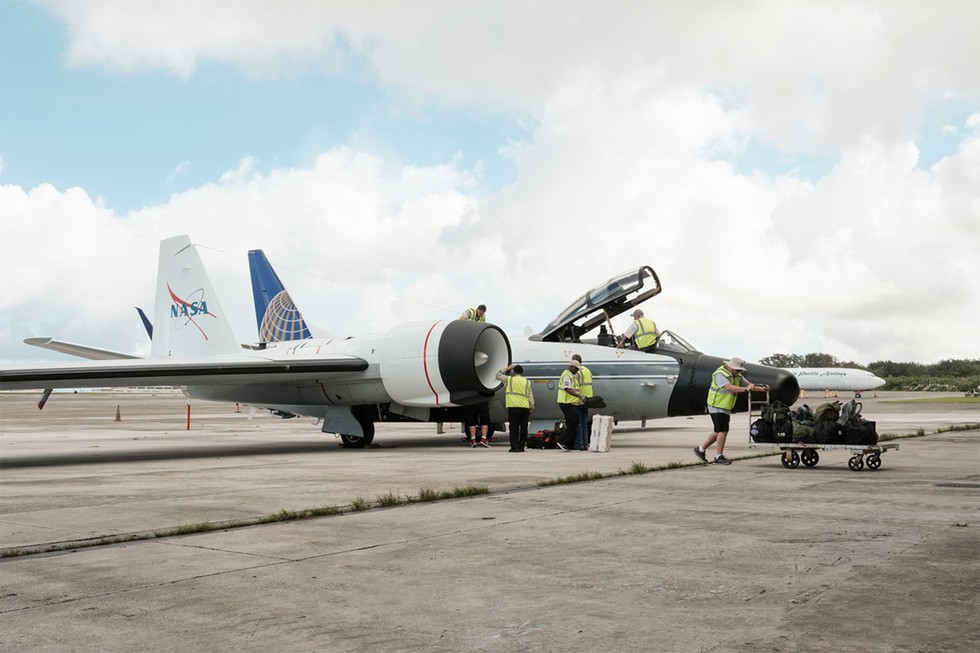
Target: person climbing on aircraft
{"x": 726, "y": 382}
{"x": 584, "y": 377}
{"x": 643, "y": 331}
{"x": 478, "y": 314}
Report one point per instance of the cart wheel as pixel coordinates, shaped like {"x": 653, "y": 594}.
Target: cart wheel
{"x": 874, "y": 461}
{"x": 790, "y": 459}
{"x": 856, "y": 463}
{"x": 810, "y": 457}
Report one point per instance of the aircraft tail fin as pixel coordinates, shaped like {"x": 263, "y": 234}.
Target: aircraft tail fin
{"x": 146, "y": 322}
{"x": 276, "y": 316}
{"x": 188, "y": 318}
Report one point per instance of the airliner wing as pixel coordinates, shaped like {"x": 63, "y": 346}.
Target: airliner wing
{"x": 185, "y": 371}
{"x": 82, "y": 351}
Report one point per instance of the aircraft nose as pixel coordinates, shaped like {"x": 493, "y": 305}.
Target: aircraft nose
{"x": 783, "y": 386}
{"x": 694, "y": 380}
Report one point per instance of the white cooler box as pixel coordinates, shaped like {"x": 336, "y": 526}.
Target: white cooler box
{"x": 601, "y": 438}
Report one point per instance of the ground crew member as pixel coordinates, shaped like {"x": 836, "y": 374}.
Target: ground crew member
{"x": 519, "y": 401}
{"x": 726, "y": 383}
{"x": 585, "y": 386}
{"x": 643, "y": 330}
{"x": 569, "y": 399}
{"x": 478, "y": 314}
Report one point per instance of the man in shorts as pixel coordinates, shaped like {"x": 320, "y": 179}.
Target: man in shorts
{"x": 726, "y": 383}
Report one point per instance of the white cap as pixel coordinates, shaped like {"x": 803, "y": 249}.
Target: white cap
{"x": 736, "y": 363}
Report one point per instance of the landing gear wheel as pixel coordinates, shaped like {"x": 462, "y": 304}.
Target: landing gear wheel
{"x": 357, "y": 441}
{"x": 810, "y": 457}
{"x": 874, "y": 461}
{"x": 856, "y": 463}
{"x": 790, "y": 459}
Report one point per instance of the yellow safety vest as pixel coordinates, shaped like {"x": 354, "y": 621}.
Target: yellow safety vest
{"x": 517, "y": 392}
{"x": 584, "y": 378}
{"x": 646, "y": 332}
{"x": 566, "y": 397}
{"x": 718, "y": 397}
{"x": 473, "y": 317}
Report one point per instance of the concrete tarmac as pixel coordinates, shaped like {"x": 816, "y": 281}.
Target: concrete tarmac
{"x": 746, "y": 557}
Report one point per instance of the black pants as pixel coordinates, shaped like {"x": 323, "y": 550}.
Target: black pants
{"x": 570, "y": 411}
{"x": 517, "y": 418}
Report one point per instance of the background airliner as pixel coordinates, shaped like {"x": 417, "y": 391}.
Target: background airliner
{"x": 836, "y": 378}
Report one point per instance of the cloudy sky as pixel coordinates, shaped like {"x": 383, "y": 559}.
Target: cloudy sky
{"x": 804, "y": 176}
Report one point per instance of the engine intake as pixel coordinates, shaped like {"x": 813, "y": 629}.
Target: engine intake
{"x": 449, "y": 363}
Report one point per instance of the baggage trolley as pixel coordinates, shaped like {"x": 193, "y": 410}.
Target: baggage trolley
{"x": 794, "y": 453}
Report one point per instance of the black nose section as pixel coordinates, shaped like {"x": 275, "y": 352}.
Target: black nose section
{"x": 690, "y": 395}
{"x": 783, "y": 386}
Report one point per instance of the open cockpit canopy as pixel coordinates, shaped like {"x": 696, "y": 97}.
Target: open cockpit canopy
{"x": 599, "y": 305}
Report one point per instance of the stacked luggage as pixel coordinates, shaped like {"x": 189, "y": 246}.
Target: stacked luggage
{"x": 830, "y": 423}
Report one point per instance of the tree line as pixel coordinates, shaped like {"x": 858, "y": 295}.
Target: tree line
{"x": 950, "y": 375}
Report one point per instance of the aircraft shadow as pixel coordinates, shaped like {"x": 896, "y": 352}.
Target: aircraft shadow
{"x": 182, "y": 453}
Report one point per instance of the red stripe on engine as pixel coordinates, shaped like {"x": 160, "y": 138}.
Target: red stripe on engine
{"x": 425, "y": 361}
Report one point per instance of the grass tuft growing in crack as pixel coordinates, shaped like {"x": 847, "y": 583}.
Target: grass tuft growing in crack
{"x": 390, "y": 499}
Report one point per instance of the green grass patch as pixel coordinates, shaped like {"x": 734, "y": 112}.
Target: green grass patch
{"x": 464, "y": 491}
{"x": 577, "y": 478}
{"x": 390, "y": 499}
{"x": 359, "y": 504}
{"x": 922, "y": 432}
{"x": 427, "y": 494}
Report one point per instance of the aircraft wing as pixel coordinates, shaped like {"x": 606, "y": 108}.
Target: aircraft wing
{"x": 82, "y": 351}
{"x": 185, "y": 371}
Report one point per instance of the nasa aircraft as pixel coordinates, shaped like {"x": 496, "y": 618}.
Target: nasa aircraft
{"x": 836, "y": 378}
{"x": 634, "y": 385}
{"x": 420, "y": 366}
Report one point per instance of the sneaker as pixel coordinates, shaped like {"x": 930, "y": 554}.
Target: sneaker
{"x": 485, "y": 443}
{"x": 472, "y": 444}
{"x": 700, "y": 454}
{"x": 721, "y": 460}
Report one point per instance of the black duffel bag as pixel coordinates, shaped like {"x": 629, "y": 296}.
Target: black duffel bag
{"x": 784, "y": 430}
{"x": 826, "y": 431}
{"x": 860, "y": 432}
{"x": 761, "y": 431}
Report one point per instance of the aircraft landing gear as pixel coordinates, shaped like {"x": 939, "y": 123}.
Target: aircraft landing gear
{"x": 357, "y": 441}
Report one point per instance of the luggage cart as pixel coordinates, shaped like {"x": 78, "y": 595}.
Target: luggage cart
{"x": 794, "y": 453}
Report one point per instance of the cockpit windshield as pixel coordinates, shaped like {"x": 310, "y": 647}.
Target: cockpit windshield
{"x": 670, "y": 341}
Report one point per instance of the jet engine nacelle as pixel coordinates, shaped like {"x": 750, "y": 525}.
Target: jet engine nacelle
{"x": 449, "y": 363}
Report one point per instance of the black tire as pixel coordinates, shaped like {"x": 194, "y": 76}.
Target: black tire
{"x": 856, "y": 463}
{"x": 357, "y": 441}
{"x": 873, "y": 461}
{"x": 810, "y": 457}
{"x": 790, "y": 459}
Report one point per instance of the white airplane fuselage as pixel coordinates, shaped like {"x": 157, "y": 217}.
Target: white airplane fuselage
{"x": 835, "y": 378}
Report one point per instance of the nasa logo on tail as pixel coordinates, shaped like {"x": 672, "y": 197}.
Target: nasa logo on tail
{"x": 187, "y": 311}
